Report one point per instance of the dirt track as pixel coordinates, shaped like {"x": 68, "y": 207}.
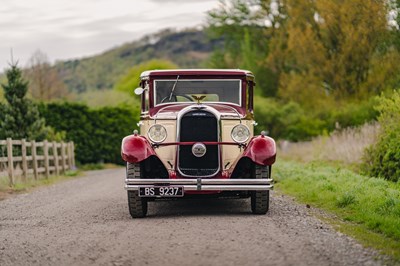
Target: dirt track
{"x": 86, "y": 221}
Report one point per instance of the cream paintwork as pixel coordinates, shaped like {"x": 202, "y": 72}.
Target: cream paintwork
{"x": 229, "y": 152}
{"x": 168, "y": 153}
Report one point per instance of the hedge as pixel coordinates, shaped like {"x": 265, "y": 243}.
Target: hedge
{"x": 97, "y": 133}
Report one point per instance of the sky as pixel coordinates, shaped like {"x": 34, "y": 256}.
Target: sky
{"x": 69, "y": 29}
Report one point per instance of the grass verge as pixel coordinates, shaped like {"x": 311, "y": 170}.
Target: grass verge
{"x": 368, "y": 208}
{"x": 23, "y": 186}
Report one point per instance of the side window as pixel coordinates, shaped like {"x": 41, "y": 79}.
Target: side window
{"x": 145, "y": 98}
{"x": 250, "y": 95}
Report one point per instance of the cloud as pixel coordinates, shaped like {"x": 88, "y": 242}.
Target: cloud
{"x": 180, "y": 1}
{"x": 68, "y": 29}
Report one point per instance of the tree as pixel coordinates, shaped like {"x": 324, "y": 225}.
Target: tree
{"x": 44, "y": 81}
{"x": 241, "y": 23}
{"x": 333, "y": 49}
{"x": 131, "y": 79}
{"x": 312, "y": 52}
{"x": 19, "y": 116}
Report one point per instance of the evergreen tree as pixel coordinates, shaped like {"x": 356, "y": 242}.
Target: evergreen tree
{"x": 19, "y": 117}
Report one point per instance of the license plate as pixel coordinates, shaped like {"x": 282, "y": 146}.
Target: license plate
{"x": 161, "y": 191}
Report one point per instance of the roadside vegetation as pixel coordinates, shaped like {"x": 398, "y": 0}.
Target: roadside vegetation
{"x": 353, "y": 173}
{"x": 368, "y": 208}
{"x": 23, "y": 186}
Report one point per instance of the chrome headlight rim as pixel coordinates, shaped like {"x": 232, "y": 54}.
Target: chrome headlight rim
{"x": 161, "y": 129}
{"x": 247, "y": 134}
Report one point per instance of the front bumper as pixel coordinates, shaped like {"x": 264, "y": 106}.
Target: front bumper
{"x": 204, "y": 184}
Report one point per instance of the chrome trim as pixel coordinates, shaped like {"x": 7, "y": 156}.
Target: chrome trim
{"x": 194, "y": 181}
{"x": 204, "y": 184}
{"x": 152, "y": 140}
{"x": 178, "y": 127}
{"x": 199, "y": 149}
{"x": 248, "y": 137}
{"x": 161, "y": 109}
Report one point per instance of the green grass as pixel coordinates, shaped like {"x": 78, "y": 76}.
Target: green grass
{"x": 22, "y": 186}
{"x": 368, "y": 208}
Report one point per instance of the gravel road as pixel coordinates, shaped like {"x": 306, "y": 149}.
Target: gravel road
{"x": 85, "y": 221}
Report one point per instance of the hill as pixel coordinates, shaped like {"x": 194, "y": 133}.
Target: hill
{"x": 188, "y": 49}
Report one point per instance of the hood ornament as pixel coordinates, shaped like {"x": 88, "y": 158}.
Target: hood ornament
{"x": 198, "y": 98}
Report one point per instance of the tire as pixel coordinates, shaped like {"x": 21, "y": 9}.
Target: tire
{"x": 260, "y": 199}
{"x": 137, "y": 205}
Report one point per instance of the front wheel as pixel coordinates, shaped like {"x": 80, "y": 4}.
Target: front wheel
{"x": 137, "y": 205}
{"x": 260, "y": 199}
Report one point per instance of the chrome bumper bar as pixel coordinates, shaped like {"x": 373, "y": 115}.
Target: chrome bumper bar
{"x": 203, "y": 184}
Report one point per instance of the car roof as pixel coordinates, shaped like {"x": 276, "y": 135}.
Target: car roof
{"x": 195, "y": 72}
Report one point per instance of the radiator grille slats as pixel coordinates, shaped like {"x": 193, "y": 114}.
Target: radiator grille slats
{"x": 198, "y": 126}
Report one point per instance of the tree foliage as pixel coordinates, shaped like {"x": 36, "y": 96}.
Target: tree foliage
{"x": 333, "y": 50}
{"x": 241, "y": 24}
{"x": 313, "y": 51}
{"x": 45, "y": 83}
{"x": 383, "y": 158}
{"x": 131, "y": 79}
{"x": 19, "y": 117}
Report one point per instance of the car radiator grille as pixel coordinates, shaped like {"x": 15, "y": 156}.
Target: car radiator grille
{"x": 198, "y": 126}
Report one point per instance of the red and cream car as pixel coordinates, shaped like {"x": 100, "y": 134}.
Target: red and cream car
{"x": 196, "y": 139}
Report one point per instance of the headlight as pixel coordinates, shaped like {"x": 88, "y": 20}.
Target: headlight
{"x": 240, "y": 133}
{"x": 157, "y": 133}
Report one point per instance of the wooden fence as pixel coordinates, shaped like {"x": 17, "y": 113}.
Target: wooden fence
{"x": 21, "y": 158}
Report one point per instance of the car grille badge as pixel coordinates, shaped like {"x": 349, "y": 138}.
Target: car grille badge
{"x": 199, "y": 149}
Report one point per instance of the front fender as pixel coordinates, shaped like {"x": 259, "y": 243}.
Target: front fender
{"x": 135, "y": 148}
{"x": 261, "y": 150}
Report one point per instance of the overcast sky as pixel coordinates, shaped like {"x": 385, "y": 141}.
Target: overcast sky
{"x": 66, "y": 29}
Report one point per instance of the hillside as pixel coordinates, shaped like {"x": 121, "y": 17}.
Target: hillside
{"x": 187, "y": 49}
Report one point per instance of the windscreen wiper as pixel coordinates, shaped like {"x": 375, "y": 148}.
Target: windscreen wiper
{"x": 173, "y": 88}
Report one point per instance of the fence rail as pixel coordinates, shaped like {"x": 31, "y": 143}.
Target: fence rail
{"x": 21, "y": 158}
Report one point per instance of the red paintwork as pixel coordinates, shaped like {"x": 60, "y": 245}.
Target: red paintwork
{"x": 176, "y": 107}
{"x": 194, "y": 142}
{"x": 261, "y": 150}
{"x": 195, "y": 73}
{"x": 136, "y": 148}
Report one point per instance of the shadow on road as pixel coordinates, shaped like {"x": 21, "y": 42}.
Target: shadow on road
{"x": 199, "y": 207}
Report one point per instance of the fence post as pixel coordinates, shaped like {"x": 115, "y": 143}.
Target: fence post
{"x": 63, "y": 156}
{"x": 10, "y": 161}
{"x": 73, "y": 154}
{"x": 46, "y": 158}
{"x": 24, "y": 163}
{"x": 70, "y": 154}
{"x": 34, "y": 160}
{"x": 55, "y": 156}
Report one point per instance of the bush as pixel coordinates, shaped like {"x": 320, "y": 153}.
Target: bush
{"x": 355, "y": 114}
{"x": 286, "y": 121}
{"x": 293, "y": 122}
{"x": 97, "y": 134}
{"x": 383, "y": 158}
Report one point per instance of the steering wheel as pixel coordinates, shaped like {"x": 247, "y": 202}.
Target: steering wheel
{"x": 174, "y": 99}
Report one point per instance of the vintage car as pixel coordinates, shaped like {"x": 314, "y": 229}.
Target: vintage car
{"x": 196, "y": 139}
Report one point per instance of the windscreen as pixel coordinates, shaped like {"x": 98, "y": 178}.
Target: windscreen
{"x": 167, "y": 91}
